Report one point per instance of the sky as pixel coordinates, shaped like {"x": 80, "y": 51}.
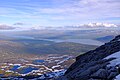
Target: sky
{"x": 31, "y": 13}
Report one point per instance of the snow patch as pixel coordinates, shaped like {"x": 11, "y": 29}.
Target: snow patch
{"x": 56, "y": 66}
{"x": 115, "y": 61}
{"x": 117, "y": 77}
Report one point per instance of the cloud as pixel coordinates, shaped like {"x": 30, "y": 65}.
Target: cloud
{"x": 81, "y": 10}
{"x": 63, "y": 11}
{"x": 6, "y": 27}
{"x": 19, "y": 23}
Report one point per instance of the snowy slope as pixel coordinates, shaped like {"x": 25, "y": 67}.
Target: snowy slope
{"x": 115, "y": 61}
{"x": 117, "y": 77}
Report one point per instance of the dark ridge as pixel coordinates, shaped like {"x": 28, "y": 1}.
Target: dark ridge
{"x": 83, "y": 68}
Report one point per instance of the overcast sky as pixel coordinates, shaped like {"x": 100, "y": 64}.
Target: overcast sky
{"x": 29, "y": 13}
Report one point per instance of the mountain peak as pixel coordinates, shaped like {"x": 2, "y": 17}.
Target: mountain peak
{"x": 100, "y": 25}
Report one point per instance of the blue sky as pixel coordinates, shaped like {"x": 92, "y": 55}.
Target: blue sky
{"x": 30, "y": 13}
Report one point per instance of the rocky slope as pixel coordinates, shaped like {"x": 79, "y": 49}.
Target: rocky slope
{"x": 94, "y": 65}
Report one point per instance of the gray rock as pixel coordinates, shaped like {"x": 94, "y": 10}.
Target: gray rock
{"x": 112, "y": 75}
{"x": 100, "y": 74}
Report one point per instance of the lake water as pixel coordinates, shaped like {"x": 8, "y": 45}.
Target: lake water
{"x": 14, "y": 68}
{"x": 1, "y": 75}
{"x": 38, "y": 61}
{"x": 27, "y": 70}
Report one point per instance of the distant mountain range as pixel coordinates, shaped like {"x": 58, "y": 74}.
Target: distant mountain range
{"x": 75, "y": 27}
{"x": 66, "y": 48}
{"x": 99, "y": 25}
{"x": 13, "y": 47}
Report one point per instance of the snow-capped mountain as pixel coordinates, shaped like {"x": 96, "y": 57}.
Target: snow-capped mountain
{"x": 99, "y": 25}
{"x": 76, "y": 27}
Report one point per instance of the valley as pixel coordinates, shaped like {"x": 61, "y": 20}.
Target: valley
{"x": 37, "y": 65}
{"x": 24, "y": 56}
{"x": 44, "y": 55}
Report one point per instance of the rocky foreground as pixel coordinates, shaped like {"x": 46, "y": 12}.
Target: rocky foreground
{"x": 96, "y": 64}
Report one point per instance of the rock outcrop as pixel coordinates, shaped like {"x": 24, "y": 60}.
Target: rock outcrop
{"x": 93, "y": 65}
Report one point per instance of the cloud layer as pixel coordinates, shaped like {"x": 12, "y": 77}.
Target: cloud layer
{"x": 60, "y": 12}
{"x": 6, "y": 27}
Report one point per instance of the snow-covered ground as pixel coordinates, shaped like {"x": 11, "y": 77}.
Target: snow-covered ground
{"x": 53, "y": 74}
{"x": 117, "y": 77}
{"x": 115, "y": 61}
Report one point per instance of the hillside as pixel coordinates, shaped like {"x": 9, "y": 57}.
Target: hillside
{"x": 66, "y": 48}
{"x": 23, "y": 48}
{"x": 32, "y": 46}
{"x": 94, "y": 64}
{"x": 10, "y": 49}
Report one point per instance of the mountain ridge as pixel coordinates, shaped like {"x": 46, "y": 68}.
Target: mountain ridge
{"x": 99, "y": 25}
{"x": 92, "y": 63}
